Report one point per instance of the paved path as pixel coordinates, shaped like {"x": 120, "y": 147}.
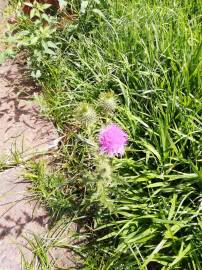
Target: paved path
{"x": 2, "y": 6}
{"x": 18, "y": 218}
{"x": 23, "y": 132}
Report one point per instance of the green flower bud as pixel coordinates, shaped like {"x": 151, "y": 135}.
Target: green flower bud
{"x": 107, "y": 102}
{"x": 86, "y": 114}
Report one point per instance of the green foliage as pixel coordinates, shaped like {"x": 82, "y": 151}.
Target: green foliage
{"x": 142, "y": 211}
{"x": 40, "y": 260}
{"x": 8, "y": 53}
{"x": 35, "y": 34}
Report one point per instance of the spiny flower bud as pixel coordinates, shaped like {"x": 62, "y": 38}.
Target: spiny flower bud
{"x": 107, "y": 102}
{"x": 86, "y": 114}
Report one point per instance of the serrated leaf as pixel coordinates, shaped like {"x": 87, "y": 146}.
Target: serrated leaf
{"x": 46, "y": 6}
{"x": 45, "y": 17}
{"x": 32, "y": 13}
{"x": 28, "y": 4}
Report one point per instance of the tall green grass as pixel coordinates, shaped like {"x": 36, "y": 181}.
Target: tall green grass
{"x": 149, "y": 54}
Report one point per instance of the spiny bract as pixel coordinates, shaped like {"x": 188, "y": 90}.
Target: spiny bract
{"x": 107, "y": 102}
{"x": 86, "y": 114}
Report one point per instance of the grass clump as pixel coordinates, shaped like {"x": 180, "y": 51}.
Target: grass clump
{"x": 136, "y": 63}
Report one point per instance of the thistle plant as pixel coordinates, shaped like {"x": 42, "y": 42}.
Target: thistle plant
{"x": 112, "y": 140}
{"x": 107, "y": 102}
{"x": 103, "y": 182}
{"x": 104, "y": 169}
{"x": 86, "y": 114}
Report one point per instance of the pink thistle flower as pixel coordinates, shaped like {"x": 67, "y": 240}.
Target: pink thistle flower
{"x": 112, "y": 140}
